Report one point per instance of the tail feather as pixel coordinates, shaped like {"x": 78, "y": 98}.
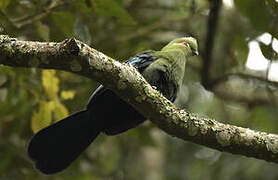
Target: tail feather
{"x": 57, "y": 146}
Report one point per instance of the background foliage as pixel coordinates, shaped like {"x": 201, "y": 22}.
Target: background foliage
{"x": 224, "y": 89}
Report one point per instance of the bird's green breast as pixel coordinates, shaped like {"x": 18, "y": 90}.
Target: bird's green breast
{"x": 171, "y": 63}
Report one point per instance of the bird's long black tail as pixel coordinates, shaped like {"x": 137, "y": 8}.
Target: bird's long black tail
{"x": 57, "y": 146}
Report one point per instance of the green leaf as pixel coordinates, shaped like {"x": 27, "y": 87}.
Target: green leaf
{"x": 111, "y": 156}
{"x": 3, "y": 94}
{"x": 241, "y": 49}
{"x": 273, "y": 5}
{"x": 4, "y": 4}
{"x": 263, "y": 118}
{"x": 268, "y": 52}
{"x": 83, "y": 7}
{"x": 67, "y": 94}
{"x": 256, "y": 11}
{"x": 142, "y": 135}
{"x": 43, "y": 31}
{"x": 3, "y": 79}
{"x": 273, "y": 10}
{"x": 64, "y": 21}
{"x": 111, "y": 8}
{"x": 50, "y": 83}
{"x": 60, "y": 111}
{"x": 42, "y": 118}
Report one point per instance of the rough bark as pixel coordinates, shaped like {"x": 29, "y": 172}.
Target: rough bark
{"x": 74, "y": 56}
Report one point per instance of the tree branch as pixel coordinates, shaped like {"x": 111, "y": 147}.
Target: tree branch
{"x": 252, "y": 99}
{"x": 225, "y": 77}
{"x": 150, "y": 28}
{"x": 74, "y": 56}
{"x": 28, "y": 19}
{"x": 215, "y": 6}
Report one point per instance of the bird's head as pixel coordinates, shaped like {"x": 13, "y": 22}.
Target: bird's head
{"x": 187, "y": 44}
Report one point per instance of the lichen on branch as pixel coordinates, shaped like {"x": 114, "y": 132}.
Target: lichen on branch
{"x": 74, "y": 56}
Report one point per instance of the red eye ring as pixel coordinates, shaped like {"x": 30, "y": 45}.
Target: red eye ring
{"x": 184, "y": 43}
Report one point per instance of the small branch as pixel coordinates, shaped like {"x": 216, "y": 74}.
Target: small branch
{"x": 251, "y": 101}
{"x": 74, "y": 56}
{"x": 240, "y": 96}
{"x": 147, "y": 29}
{"x": 215, "y": 6}
{"x": 29, "y": 19}
{"x": 225, "y": 77}
{"x": 8, "y": 19}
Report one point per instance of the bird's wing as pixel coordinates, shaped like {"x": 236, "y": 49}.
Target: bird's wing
{"x": 140, "y": 62}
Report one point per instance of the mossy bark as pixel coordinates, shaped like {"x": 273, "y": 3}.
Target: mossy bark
{"x": 74, "y": 56}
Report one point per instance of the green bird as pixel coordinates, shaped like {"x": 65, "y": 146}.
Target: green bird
{"x": 55, "y": 147}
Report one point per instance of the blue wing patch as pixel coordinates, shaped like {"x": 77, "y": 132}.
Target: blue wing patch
{"x": 142, "y": 60}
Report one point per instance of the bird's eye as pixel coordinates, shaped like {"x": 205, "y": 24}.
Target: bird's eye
{"x": 184, "y": 43}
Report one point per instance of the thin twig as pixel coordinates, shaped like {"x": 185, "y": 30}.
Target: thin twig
{"x": 8, "y": 19}
{"x": 29, "y": 19}
{"x": 225, "y": 77}
{"x": 242, "y": 97}
{"x": 147, "y": 29}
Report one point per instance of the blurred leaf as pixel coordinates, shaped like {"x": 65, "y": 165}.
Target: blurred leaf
{"x": 83, "y": 7}
{"x": 43, "y": 31}
{"x": 60, "y": 111}
{"x": 241, "y": 49}
{"x": 256, "y": 11}
{"x": 50, "y": 83}
{"x": 142, "y": 135}
{"x": 111, "y": 156}
{"x": 4, "y": 4}
{"x": 273, "y": 10}
{"x": 81, "y": 30}
{"x": 263, "y": 118}
{"x": 268, "y": 52}
{"x": 263, "y": 16}
{"x": 82, "y": 176}
{"x": 3, "y": 79}
{"x": 111, "y": 8}
{"x": 8, "y": 158}
{"x": 3, "y": 94}
{"x": 64, "y": 21}
{"x": 67, "y": 94}
{"x": 273, "y": 5}
{"x": 42, "y": 118}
